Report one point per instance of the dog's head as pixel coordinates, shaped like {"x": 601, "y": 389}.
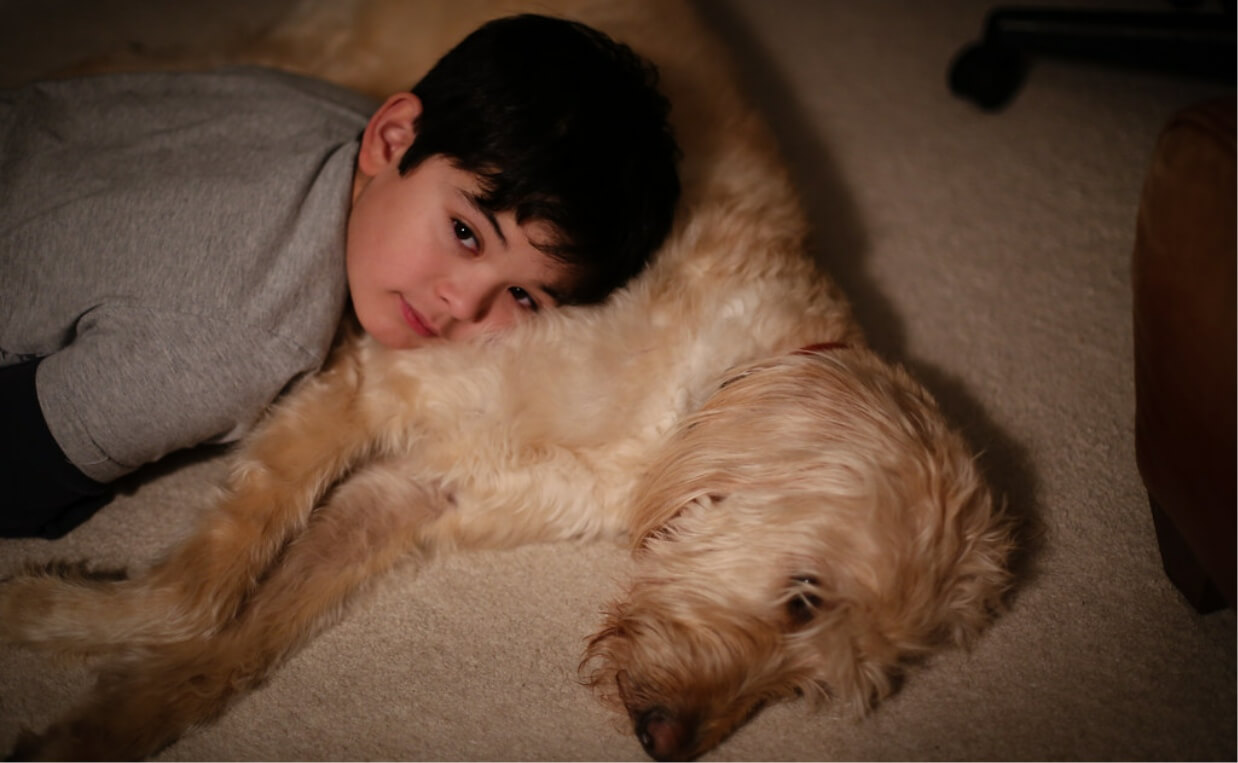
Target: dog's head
{"x": 813, "y": 528}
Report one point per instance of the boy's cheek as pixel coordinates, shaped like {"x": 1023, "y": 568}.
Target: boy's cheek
{"x": 494, "y": 324}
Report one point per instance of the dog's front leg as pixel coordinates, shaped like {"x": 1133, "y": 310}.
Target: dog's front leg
{"x": 278, "y": 476}
{"x": 372, "y": 522}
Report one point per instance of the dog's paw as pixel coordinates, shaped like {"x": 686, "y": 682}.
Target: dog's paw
{"x": 57, "y": 606}
{"x": 24, "y": 603}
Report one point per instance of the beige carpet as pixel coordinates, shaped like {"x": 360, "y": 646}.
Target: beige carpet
{"x": 990, "y": 253}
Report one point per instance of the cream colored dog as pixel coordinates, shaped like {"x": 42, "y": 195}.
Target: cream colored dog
{"x": 804, "y": 520}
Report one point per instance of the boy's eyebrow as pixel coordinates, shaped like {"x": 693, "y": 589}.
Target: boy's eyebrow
{"x": 552, "y": 293}
{"x": 475, "y": 201}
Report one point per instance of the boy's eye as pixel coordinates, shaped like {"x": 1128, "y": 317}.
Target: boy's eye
{"x": 464, "y": 234}
{"x": 524, "y": 299}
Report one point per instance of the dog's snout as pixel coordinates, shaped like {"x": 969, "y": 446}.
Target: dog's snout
{"x": 663, "y": 735}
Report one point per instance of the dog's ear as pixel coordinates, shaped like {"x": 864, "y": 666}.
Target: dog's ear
{"x": 658, "y": 518}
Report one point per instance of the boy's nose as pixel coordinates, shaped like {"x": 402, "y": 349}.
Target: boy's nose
{"x": 469, "y": 300}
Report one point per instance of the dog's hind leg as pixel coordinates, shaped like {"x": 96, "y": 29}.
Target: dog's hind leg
{"x": 369, "y": 524}
{"x": 306, "y": 444}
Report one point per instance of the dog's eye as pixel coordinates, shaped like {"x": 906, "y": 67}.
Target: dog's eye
{"x": 805, "y": 602}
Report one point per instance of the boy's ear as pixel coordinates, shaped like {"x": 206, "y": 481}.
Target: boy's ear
{"x": 389, "y": 133}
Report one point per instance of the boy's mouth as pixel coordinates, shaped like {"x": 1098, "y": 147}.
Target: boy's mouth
{"x": 416, "y": 322}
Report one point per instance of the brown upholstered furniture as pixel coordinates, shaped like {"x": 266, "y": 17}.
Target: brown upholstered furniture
{"x": 1185, "y": 349}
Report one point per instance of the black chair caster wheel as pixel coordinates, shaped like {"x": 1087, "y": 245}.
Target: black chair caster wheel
{"x": 987, "y": 75}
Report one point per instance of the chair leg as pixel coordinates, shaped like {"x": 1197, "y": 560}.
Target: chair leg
{"x": 1181, "y": 565}
{"x": 1193, "y": 44}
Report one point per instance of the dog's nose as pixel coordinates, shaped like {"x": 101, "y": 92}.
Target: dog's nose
{"x": 662, "y": 735}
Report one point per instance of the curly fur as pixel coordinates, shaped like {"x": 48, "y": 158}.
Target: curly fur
{"x": 812, "y": 529}
{"x": 803, "y": 523}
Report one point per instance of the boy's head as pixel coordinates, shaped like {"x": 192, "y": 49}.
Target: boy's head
{"x": 565, "y": 126}
{"x": 542, "y": 149}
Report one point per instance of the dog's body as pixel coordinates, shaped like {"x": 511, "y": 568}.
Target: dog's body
{"x": 804, "y": 520}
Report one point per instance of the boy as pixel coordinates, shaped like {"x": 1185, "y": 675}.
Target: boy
{"x": 176, "y": 249}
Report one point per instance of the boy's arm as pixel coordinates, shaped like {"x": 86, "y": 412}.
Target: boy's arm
{"x": 129, "y": 390}
{"x": 42, "y": 494}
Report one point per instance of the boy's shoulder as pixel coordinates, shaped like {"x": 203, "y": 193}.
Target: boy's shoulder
{"x": 244, "y": 78}
{"x": 112, "y": 128}
{"x": 186, "y": 181}
{"x": 255, "y": 89}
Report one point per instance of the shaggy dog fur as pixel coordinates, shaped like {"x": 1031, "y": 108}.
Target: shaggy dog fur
{"x": 805, "y": 523}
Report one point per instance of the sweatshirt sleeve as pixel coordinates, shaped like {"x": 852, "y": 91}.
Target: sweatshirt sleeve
{"x": 135, "y": 385}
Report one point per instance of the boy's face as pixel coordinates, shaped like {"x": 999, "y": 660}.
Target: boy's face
{"x": 425, "y": 262}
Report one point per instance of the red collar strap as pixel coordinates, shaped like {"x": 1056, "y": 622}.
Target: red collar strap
{"x": 812, "y": 349}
